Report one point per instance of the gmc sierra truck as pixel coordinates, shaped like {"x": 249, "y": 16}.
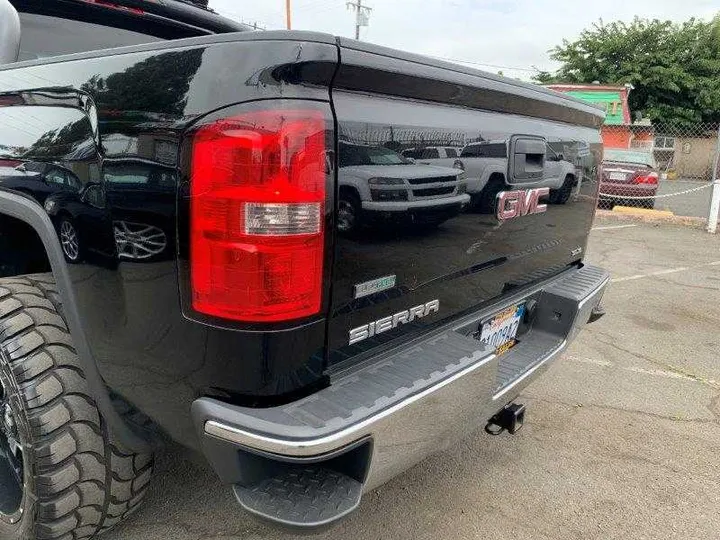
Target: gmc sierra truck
{"x": 183, "y": 278}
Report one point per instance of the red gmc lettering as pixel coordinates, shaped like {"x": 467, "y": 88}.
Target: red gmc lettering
{"x": 512, "y": 204}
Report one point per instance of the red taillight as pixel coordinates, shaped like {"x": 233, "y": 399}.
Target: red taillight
{"x": 257, "y": 210}
{"x": 650, "y": 178}
{"x": 111, "y": 5}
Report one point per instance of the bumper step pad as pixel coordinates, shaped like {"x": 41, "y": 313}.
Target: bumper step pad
{"x": 522, "y": 359}
{"x": 304, "y": 496}
{"x": 565, "y": 306}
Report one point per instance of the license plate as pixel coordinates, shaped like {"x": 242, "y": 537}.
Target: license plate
{"x": 500, "y": 331}
{"x": 617, "y": 176}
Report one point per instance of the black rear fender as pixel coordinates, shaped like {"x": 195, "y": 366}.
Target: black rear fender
{"x": 126, "y": 172}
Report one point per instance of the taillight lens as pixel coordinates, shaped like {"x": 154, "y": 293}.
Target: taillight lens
{"x": 650, "y": 178}
{"x": 112, "y": 5}
{"x": 257, "y": 207}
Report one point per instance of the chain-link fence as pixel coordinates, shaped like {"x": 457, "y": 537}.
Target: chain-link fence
{"x": 663, "y": 167}
{"x": 667, "y": 167}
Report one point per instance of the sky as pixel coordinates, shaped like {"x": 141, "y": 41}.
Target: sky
{"x": 512, "y": 36}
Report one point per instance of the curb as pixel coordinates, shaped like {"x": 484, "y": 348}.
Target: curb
{"x": 654, "y": 217}
{"x": 629, "y": 210}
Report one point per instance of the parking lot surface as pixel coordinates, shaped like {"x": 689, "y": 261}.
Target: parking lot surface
{"x": 684, "y": 197}
{"x": 622, "y": 437}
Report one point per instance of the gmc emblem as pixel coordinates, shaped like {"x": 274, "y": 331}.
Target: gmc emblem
{"x": 513, "y": 204}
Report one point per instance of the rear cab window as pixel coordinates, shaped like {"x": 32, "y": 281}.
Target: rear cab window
{"x": 58, "y": 27}
{"x": 43, "y": 36}
{"x": 413, "y": 153}
{"x": 431, "y": 153}
{"x": 486, "y": 150}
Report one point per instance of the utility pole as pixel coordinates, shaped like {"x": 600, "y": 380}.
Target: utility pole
{"x": 287, "y": 14}
{"x": 362, "y": 15}
{"x": 715, "y": 197}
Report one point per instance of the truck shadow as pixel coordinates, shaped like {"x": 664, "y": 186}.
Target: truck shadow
{"x": 184, "y": 488}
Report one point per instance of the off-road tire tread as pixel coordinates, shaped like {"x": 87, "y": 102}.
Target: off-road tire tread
{"x": 84, "y": 482}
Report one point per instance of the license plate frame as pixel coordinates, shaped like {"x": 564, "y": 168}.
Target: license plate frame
{"x": 500, "y": 329}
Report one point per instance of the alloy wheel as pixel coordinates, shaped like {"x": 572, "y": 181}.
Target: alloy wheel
{"x": 138, "y": 241}
{"x": 69, "y": 240}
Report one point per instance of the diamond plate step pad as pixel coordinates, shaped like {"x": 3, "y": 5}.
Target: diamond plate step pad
{"x": 309, "y": 496}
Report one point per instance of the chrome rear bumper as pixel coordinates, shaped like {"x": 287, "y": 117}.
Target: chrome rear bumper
{"x": 413, "y": 402}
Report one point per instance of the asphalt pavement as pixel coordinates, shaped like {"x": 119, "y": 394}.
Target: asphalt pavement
{"x": 621, "y": 440}
{"x": 689, "y": 198}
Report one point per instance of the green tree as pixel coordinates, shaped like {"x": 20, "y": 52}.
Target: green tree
{"x": 60, "y": 142}
{"x": 674, "y": 67}
{"x": 159, "y": 84}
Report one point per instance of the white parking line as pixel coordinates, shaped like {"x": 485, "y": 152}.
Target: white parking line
{"x": 610, "y": 227}
{"x": 651, "y": 274}
{"x": 663, "y": 272}
{"x": 593, "y": 361}
{"x": 667, "y": 373}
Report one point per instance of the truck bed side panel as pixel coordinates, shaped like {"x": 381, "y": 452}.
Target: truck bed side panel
{"x": 129, "y": 309}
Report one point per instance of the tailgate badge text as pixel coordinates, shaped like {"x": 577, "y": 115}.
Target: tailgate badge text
{"x": 388, "y": 323}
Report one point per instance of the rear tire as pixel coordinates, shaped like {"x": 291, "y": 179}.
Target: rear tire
{"x": 562, "y": 195}
{"x": 78, "y": 481}
{"x": 349, "y": 212}
{"x": 486, "y": 203}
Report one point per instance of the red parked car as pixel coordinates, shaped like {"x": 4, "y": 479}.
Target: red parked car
{"x": 627, "y": 174}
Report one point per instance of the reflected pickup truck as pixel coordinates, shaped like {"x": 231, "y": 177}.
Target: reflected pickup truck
{"x": 185, "y": 276}
{"x": 485, "y": 165}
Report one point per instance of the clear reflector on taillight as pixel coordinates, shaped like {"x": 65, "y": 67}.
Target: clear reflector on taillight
{"x": 282, "y": 218}
{"x": 257, "y": 187}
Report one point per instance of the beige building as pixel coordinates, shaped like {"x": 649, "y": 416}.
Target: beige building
{"x": 689, "y": 156}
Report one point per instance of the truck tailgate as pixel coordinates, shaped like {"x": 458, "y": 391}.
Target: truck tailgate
{"x": 406, "y": 268}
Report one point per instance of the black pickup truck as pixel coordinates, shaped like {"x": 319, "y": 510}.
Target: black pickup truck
{"x": 173, "y": 268}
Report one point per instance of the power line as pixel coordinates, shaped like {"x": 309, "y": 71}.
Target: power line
{"x": 316, "y": 6}
{"x": 20, "y": 126}
{"x": 240, "y": 18}
{"x": 362, "y": 15}
{"x": 495, "y": 66}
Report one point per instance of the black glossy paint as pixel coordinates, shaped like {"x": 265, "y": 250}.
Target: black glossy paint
{"x": 126, "y": 285}
{"x": 471, "y": 258}
{"x": 126, "y": 140}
